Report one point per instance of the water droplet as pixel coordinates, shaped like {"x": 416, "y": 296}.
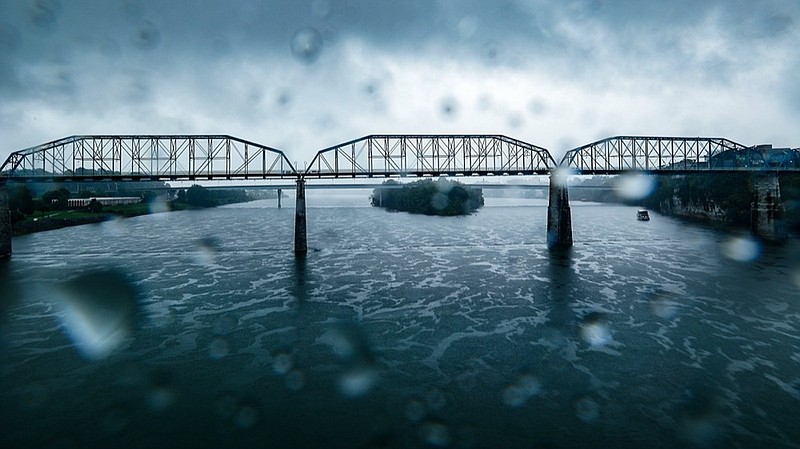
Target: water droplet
{"x": 633, "y": 186}
{"x": 306, "y": 45}
{"x": 439, "y": 201}
{"x": 246, "y": 416}
{"x": 223, "y": 324}
{"x": 158, "y": 205}
{"x": 207, "y": 249}
{"x": 161, "y": 395}
{"x": 282, "y": 363}
{"x": 467, "y": 27}
{"x": 44, "y": 14}
{"x": 218, "y": 349}
{"x": 517, "y": 394}
{"x": 560, "y": 177}
{"x": 146, "y": 36}
{"x": 741, "y": 249}
{"x": 100, "y": 309}
{"x": 321, "y": 8}
{"x": 226, "y": 406}
{"x": 435, "y": 434}
{"x": 448, "y": 108}
{"x": 587, "y": 409}
{"x": 594, "y": 329}
{"x": 435, "y": 399}
{"x": 358, "y": 381}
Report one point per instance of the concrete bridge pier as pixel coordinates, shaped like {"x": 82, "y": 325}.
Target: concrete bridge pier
{"x": 5, "y": 224}
{"x": 300, "y": 240}
{"x": 280, "y": 192}
{"x": 559, "y": 215}
{"x": 767, "y": 210}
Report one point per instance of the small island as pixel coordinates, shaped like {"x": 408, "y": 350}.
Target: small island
{"x": 428, "y": 197}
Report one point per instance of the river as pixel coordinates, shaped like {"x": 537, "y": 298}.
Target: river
{"x": 202, "y": 329}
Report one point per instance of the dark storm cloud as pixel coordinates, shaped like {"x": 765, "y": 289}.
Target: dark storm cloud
{"x": 182, "y": 66}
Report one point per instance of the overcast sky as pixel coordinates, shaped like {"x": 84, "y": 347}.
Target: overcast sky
{"x": 301, "y": 75}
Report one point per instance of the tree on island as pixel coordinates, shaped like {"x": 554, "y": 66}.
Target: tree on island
{"x": 428, "y": 197}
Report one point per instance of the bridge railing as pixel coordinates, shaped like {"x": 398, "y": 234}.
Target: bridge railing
{"x": 155, "y": 157}
{"x": 671, "y": 154}
{"x": 421, "y": 155}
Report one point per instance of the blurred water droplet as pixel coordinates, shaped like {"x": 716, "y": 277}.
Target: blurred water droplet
{"x": 701, "y": 419}
{"x": 282, "y": 363}
{"x": 358, "y": 381}
{"x": 467, "y": 27}
{"x": 284, "y": 98}
{"x": 515, "y": 120}
{"x": 306, "y": 45}
{"x": 439, "y": 201}
{"x": 226, "y": 406}
{"x": 295, "y": 380}
{"x": 246, "y": 416}
{"x": 664, "y": 307}
{"x": 537, "y": 106}
{"x": 415, "y": 410}
{"x": 223, "y": 324}
{"x": 587, "y": 409}
{"x": 162, "y": 394}
{"x": 218, "y": 349}
{"x": 448, "y": 107}
{"x": 435, "y": 434}
{"x": 44, "y": 14}
{"x": 146, "y": 36}
{"x": 741, "y": 249}
{"x": 158, "y": 205}
{"x": 207, "y": 250}
{"x": 348, "y": 341}
{"x": 633, "y": 186}
{"x": 517, "y": 394}
{"x": 100, "y": 309}
{"x": 490, "y": 52}
{"x": 594, "y": 329}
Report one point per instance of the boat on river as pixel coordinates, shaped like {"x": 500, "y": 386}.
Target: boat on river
{"x": 642, "y": 215}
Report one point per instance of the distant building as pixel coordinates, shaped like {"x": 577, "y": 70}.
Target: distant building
{"x": 105, "y": 201}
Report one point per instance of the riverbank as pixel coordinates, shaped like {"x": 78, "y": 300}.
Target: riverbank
{"x": 62, "y": 219}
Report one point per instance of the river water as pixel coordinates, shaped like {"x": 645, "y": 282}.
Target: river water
{"x": 202, "y": 329}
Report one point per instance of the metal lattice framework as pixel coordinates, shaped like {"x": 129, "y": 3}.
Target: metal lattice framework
{"x": 151, "y": 157}
{"x": 675, "y": 154}
{"x": 430, "y": 155}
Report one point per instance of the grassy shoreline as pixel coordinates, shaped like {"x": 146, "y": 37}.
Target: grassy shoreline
{"x": 63, "y": 219}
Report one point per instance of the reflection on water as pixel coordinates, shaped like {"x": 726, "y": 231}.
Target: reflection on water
{"x": 405, "y": 331}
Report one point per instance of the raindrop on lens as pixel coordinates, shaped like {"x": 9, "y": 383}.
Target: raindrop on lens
{"x": 435, "y": 434}
{"x": 448, "y": 108}
{"x": 246, "y": 416}
{"x": 358, "y": 381}
{"x": 415, "y": 410}
{"x": 218, "y": 349}
{"x": 44, "y": 14}
{"x": 594, "y": 329}
{"x": 295, "y": 380}
{"x": 306, "y": 45}
{"x": 100, "y": 311}
{"x": 587, "y": 409}
{"x": 146, "y": 36}
{"x": 741, "y": 249}
{"x": 282, "y": 364}
{"x": 634, "y": 186}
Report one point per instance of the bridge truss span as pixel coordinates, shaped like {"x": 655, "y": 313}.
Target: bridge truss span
{"x": 148, "y": 157}
{"x": 430, "y": 155}
{"x": 658, "y": 154}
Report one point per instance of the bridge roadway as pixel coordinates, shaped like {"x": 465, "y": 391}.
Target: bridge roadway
{"x": 195, "y": 158}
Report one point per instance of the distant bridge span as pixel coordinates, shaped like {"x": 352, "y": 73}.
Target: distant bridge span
{"x": 223, "y": 157}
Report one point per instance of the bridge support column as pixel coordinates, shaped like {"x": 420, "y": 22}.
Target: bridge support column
{"x": 767, "y": 210}
{"x": 559, "y": 215}
{"x": 300, "y": 241}
{"x": 280, "y": 192}
{"x": 5, "y": 224}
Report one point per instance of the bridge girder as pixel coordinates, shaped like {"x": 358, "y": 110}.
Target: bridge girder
{"x": 147, "y": 157}
{"x": 387, "y": 155}
{"x": 669, "y": 155}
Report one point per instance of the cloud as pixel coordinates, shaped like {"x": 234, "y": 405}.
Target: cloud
{"x": 302, "y": 75}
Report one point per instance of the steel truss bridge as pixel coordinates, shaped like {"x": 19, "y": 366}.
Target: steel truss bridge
{"x": 148, "y": 157}
{"x": 664, "y": 155}
{"x": 223, "y": 157}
